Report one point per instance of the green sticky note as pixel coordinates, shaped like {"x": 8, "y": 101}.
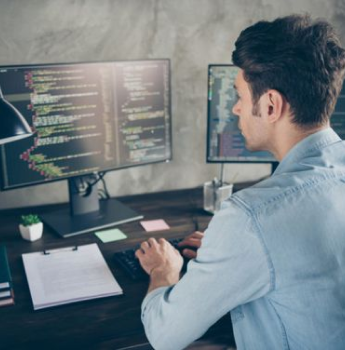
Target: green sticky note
{"x": 110, "y": 235}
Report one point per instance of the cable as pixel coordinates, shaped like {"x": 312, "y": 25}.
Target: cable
{"x": 100, "y": 177}
{"x": 101, "y": 194}
{"x": 83, "y": 184}
{"x": 105, "y": 189}
{"x": 90, "y": 185}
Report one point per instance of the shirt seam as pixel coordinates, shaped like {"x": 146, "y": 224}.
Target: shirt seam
{"x": 281, "y": 324}
{"x": 290, "y": 192}
{"x": 319, "y": 145}
{"x": 252, "y": 215}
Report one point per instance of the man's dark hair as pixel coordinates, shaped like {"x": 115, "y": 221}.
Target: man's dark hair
{"x": 301, "y": 59}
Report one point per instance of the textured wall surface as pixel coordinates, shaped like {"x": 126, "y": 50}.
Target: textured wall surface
{"x": 192, "y": 33}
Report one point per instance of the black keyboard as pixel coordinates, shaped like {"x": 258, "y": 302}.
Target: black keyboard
{"x": 130, "y": 263}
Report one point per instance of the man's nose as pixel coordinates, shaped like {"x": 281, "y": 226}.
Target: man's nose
{"x": 236, "y": 109}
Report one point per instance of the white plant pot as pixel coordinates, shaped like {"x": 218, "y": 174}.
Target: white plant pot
{"x": 31, "y": 233}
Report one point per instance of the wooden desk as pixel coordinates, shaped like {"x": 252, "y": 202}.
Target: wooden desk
{"x": 108, "y": 323}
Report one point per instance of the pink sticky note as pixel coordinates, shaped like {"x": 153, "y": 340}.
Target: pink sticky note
{"x": 154, "y": 225}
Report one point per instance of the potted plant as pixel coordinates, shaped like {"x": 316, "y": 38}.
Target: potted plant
{"x": 31, "y": 227}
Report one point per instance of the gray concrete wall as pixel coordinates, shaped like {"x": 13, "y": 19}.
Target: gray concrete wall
{"x": 192, "y": 33}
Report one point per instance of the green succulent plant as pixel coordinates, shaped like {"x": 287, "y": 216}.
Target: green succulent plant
{"x": 28, "y": 220}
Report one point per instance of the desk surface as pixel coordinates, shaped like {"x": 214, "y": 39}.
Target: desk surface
{"x": 107, "y": 323}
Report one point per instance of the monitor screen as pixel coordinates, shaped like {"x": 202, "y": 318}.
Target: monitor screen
{"x": 225, "y": 143}
{"x": 87, "y": 117}
{"x": 338, "y": 116}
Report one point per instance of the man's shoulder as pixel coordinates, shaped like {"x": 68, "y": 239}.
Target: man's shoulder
{"x": 277, "y": 188}
{"x": 253, "y": 197}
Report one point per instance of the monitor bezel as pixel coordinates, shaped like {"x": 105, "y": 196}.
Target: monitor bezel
{"x": 208, "y": 128}
{"x": 105, "y": 170}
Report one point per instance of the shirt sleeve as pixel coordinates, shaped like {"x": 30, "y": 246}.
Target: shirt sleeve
{"x": 231, "y": 269}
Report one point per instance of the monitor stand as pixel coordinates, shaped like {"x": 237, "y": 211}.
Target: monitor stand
{"x": 86, "y": 212}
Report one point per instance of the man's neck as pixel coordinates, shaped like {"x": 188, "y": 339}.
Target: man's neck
{"x": 288, "y": 138}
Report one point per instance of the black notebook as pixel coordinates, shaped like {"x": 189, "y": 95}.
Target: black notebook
{"x": 6, "y": 290}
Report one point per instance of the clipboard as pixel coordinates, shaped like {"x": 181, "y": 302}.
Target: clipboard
{"x": 68, "y": 275}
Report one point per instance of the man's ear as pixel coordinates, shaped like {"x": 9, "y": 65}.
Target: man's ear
{"x": 274, "y": 105}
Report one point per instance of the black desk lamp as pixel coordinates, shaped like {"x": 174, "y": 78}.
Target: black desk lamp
{"x": 13, "y": 125}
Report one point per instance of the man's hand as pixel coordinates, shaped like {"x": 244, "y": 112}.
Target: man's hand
{"x": 161, "y": 261}
{"x": 193, "y": 243}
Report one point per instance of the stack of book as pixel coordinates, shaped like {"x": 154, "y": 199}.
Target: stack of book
{"x": 6, "y": 290}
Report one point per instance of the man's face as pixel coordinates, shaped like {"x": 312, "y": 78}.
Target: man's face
{"x": 252, "y": 126}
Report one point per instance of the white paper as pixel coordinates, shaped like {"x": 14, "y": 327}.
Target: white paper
{"x": 66, "y": 276}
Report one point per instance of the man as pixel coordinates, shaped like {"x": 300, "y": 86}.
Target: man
{"x": 274, "y": 256}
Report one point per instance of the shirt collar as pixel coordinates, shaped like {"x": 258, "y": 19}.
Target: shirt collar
{"x": 308, "y": 145}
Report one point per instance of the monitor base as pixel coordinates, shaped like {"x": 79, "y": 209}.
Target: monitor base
{"x": 111, "y": 213}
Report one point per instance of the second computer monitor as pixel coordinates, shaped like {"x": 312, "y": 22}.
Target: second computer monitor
{"x": 225, "y": 143}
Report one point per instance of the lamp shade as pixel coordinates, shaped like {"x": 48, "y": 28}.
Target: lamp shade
{"x": 13, "y": 125}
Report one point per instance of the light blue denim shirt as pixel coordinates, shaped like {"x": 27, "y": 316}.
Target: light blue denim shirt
{"x": 274, "y": 256}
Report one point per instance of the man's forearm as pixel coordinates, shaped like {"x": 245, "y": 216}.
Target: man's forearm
{"x": 162, "y": 279}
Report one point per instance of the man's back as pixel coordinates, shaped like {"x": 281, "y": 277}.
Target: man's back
{"x": 300, "y": 218}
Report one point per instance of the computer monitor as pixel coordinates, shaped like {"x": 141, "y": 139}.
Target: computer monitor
{"x": 225, "y": 143}
{"x": 88, "y": 118}
{"x": 338, "y": 116}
